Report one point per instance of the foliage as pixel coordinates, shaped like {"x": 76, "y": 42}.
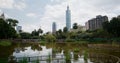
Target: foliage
{"x": 69, "y": 40}
{"x": 35, "y": 33}
{"x": 24, "y": 60}
{"x": 40, "y": 31}
{"x": 5, "y": 43}
{"x": 6, "y": 30}
{"x": 67, "y": 57}
{"x": 12, "y": 22}
{"x": 65, "y": 30}
{"x": 75, "y": 26}
{"x": 50, "y": 38}
{"x": 49, "y": 59}
{"x": 85, "y": 55}
{"x": 25, "y": 35}
{"x": 113, "y": 27}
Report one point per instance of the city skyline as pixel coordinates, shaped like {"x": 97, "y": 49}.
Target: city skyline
{"x": 32, "y": 14}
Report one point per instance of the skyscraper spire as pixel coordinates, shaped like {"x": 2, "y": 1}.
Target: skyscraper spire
{"x": 68, "y": 18}
{"x": 68, "y": 7}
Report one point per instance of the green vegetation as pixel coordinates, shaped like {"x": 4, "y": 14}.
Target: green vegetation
{"x": 3, "y": 60}
{"x": 49, "y": 59}
{"x": 7, "y": 30}
{"x": 67, "y": 57}
{"x": 113, "y": 27}
{"x": 24, "y": 60}
{"x": 50, "y": 38}
{"x": 5, "y": 43}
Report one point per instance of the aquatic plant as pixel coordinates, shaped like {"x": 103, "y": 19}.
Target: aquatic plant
{"x": 24, "y": 60}
{"x": 76, "y": 50}
{"x": 49, "y": 59}
{"x": 67, "y": 58}
{"x": 85, "y": 55}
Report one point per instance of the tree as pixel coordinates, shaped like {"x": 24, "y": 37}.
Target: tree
{"x": 113, "y": 27}
{"x": 59, "y": 34}
{"x": 60, "y": 31}
{"x": 75, "y": 26}
{"x": 6, "y": 30}
{"x": 25, "y": 35}
{"x": 65, "y": 29}
{"x": 40, "y": 31}
{"x": 12, "y": 22}
{"x": 35, "y": 33}
{"x": 50, "y": 38}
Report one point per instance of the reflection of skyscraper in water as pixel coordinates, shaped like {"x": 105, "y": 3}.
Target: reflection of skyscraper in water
{"x": 68, "y": 18}
{"x": 54, "y": 27}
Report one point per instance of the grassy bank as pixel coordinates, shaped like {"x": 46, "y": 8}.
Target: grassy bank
{"x": 5, "y": 43}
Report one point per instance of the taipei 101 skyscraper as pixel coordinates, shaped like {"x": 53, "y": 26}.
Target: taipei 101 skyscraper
{"x": 68, "y": 18}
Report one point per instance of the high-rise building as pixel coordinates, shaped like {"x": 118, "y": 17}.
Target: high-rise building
{"x": 96, "y": 23}
{"x": 54, "y": 27}
{"x": 68, "y": 18}
{"x": 19, "y": 29}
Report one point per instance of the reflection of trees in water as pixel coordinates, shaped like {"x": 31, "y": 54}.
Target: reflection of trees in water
{"x": 102, "y": 58}
{"x": 111, "y": 49}
{"x": 36, "y": 47}
{"x": 6, "y": 51}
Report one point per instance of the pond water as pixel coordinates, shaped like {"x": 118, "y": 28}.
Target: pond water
{"x": 63, "y": 53}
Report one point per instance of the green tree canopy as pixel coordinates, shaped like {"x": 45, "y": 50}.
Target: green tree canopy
{"x": 6, "y": 30}
{"x": 65, "y": 30}
{"x": 113, "y": 27}
{"x": 75, "y": 26}
{"x": 50, "y": 38}
{"x": 12, "y": 22}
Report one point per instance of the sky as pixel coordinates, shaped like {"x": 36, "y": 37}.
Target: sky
{"x": 34, "y": 14}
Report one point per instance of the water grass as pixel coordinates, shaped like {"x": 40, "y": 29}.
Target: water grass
{"x": 49, "y": 59}
{"x": 67, "y": 57}
{"x": 24, "y": 60}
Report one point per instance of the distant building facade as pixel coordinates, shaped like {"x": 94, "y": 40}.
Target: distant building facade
{"x": 96, "y": 23}
{"x": 68, "y": 18}
{"x": 54, "y": 27}
{"x": 19, "y": 29}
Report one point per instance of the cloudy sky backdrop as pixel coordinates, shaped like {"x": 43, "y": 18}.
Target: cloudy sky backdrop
{"x": 33, "y": 14}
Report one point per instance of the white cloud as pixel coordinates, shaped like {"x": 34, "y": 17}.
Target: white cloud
{"x": 6, "y": 3}
{"x": 81, "y": 11}
{"x": 31, "y": 15}
{"x": 55, "y": 0}
{"x": 12, "y": 4}
{"x": 29, "y": 27}
{"x": 20, "y": 5}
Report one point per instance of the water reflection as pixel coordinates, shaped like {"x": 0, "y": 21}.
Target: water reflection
{"x": 55, "y": 53}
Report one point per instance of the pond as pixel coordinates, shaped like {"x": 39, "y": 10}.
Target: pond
{"x": 61, "y": 53}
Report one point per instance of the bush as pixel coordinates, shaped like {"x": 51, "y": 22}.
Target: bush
{"x": 50, "y": 38}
